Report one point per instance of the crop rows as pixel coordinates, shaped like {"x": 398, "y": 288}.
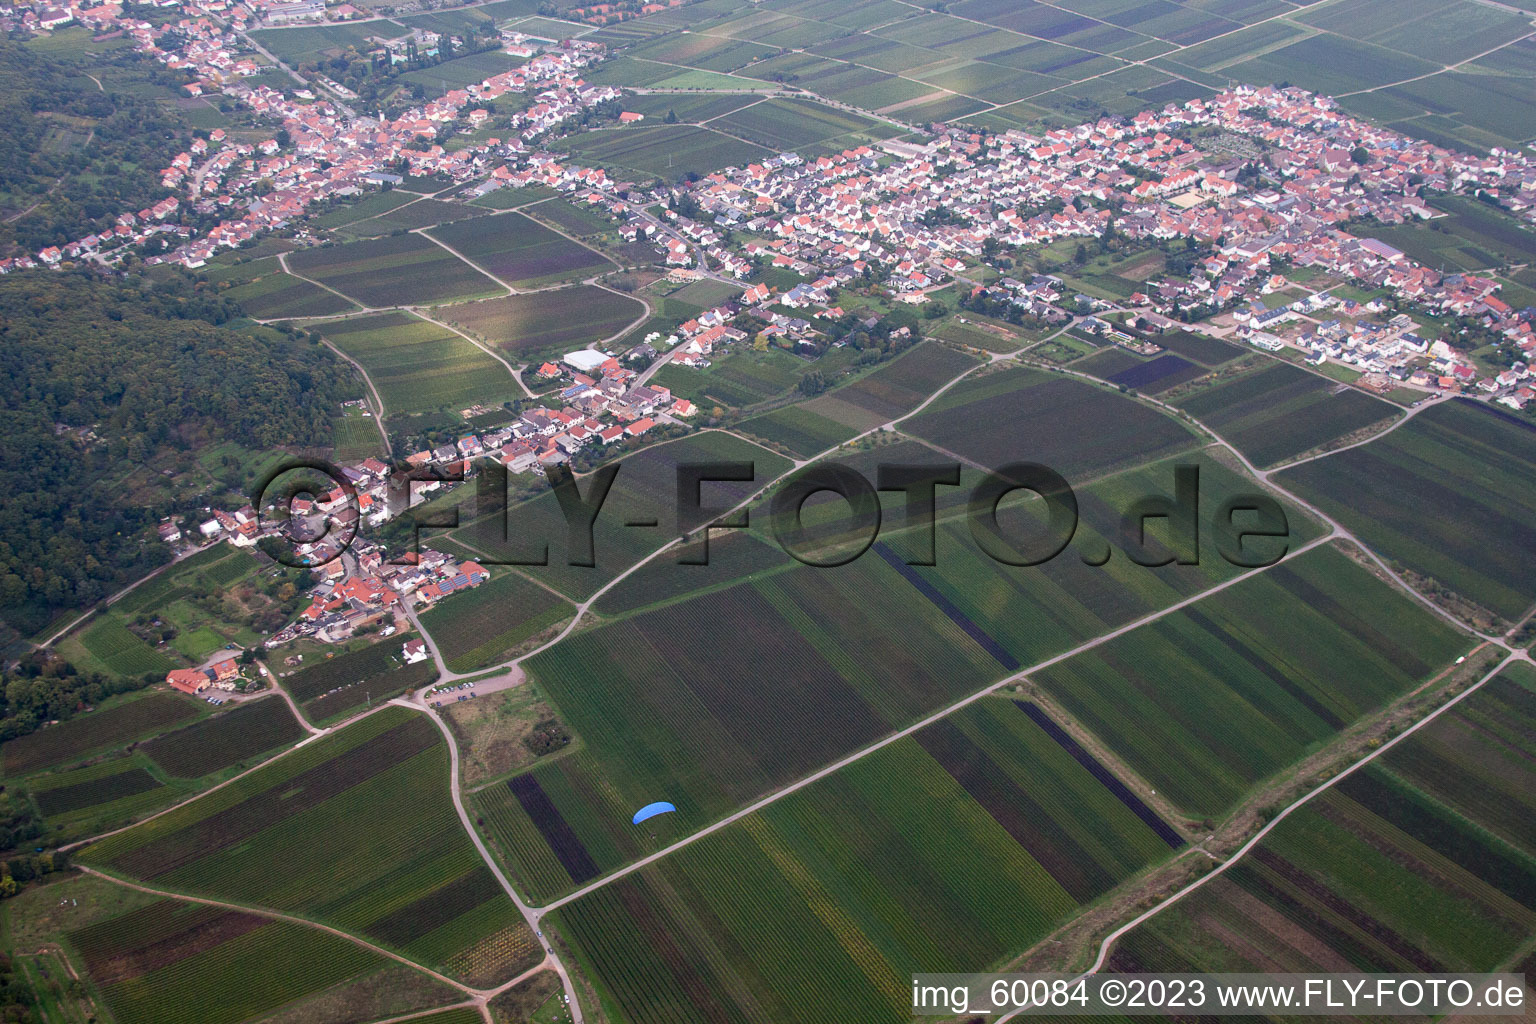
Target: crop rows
{"x": 834, "y": 895}
{"x": 476, "y": 628}
{"x": 96, "y": 730}
{"x": 1209, "y": 700}
{"x": 363, "y": 829}
{"x": 1450, "y": 495}
{"x": 1025, "y": 415}
{"x": 173, "y": 963}
{"x": 99, "y": 784}
{"x": 1399, "y": 867}
{"x": 225, "y": 739}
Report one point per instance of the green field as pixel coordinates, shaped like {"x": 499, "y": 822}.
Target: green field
{"x": 178, "y": 963}
{"x": 1226, "y": 692}
{"x": 422, "y": 213}
{"x": 855, "y": 652}
{"x": 278, "y": 295}
{"x": 890, "y": 390}
{"x": 644, "y": 490}
{"x": 1449, "y": 495}
{"x": 797, "y": 429}
{"x": 399, "y": 270}
{"x": 112, "y": 788}
{"x": 122, "y": 652}
{"x": 791, "y": 124}
{"x": 579, "y": 219}
{"x": 949, "y": 850}
{"x": 1418, "y": 862}
{"x": 1076, "y": 429}
{"x": 661, "y": 151}
{"x": 1279, "y": 412}
{"x": 225, "y": 740}
{"x": 350, "y": 680}
{"x": 1471, "y": 236}
{"x": 114, "y": 725}
{"x": 367, "y": 841}
{"x": 354, "y": 437}
{"x": 522, "y": 252}
{"x": 419, "y": 366}
{"x": 299, "y": 44}
{"x": 548, "y": 322}
{"x": 218, "y": 597}
{"x": 480, "y": 626}
{"x": 895, "y": 388}
{"x": 737, "y": 379}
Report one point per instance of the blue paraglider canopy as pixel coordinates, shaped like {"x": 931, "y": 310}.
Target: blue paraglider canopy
{"x": 651, "y": 810}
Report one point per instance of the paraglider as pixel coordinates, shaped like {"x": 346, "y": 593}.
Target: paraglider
{"x": 651, "y": 810}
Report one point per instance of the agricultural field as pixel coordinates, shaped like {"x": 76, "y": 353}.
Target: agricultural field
{"x": 171, "y": 962}
{"x": 856, "y": 651}
{"x": 296, "y": 45}
{"x": 116, "y": 724}
{"x": 218, "y": 597}
{"x": 988, "y": 833}
{"x": 644, "y": 491}
{"x": 794, "y": 124}
{"x": 372, "y": 205}
{"x": 349, "y": 680}
{"x": 577, "y": 219}
{"x": 421, "y": 213}
{"x": 1024, "y": 415}
{"x": 121, "y": 652}
{"x": 1471, "y": 236}
{"x": 895, "y": 388}
{"x": 1226, "y": 692}
{"x": 398, "y": 270}
{"x": 1154, "y": 376}
{"x": 521, "y": 252}
{"x": 109, "y": 790}
{"x": 1198, "y": 347}
{"x": 371, "y": 798}
{"x": 461, "y": 71}
{"x": 662, "y": 151}
{"x": 797, "y": 429}
{"x": 1423, "y": 861}
{"x": 277, "y": 295}
{"x": 225, "y": 740}
{"x": 737, "y": 380}
{"x": 420, "y": 366}
{"x": 354, "y": 437}
{"x": 689, "y": 109}
{"x": 548, "y": 322}
{"x": 1278, "y": 412}
{"x": 1448, "y": 496}
{"x": 889, "y": 391}
{"x": 481, "y": 626}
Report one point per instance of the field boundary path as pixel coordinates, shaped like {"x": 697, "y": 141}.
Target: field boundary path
{"x": 533, "y": 914}
{"x": 287, "y": 918}
{"x": 1108, "y": 943}
{"x": 551, "y": 958}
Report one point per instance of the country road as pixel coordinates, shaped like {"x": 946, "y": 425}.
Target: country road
{"x": 529, "y": 915}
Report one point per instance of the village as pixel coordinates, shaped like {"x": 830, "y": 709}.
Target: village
{"x": 911, "y": 218}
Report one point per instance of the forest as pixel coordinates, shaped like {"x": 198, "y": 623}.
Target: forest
{"x": 100, "y": 378}
{"x": 73, "y": 154}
